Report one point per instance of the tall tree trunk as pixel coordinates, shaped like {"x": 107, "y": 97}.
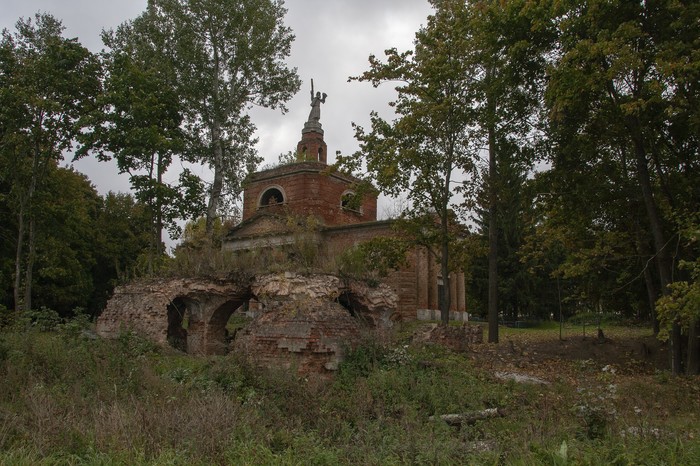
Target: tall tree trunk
{"x": 650, "y": 284}
{"x": 217, "y": 184}
{"x": 445, "y": 298}
{"x": 156, "y": 204}
{"x": 693, "y": 362}
{"x": 28, "y": 212}
{"x": 158, "y": 234}
{"x": 663, "y": 258}
{"x": 444, "y": 292}
{"x": 19, "y": 257}
{"x": 652, "y": 295}
{"x": 31, "y": 257}
{"x": 493, "y": 224}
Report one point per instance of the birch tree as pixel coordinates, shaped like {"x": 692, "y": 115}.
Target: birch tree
{"x": 229, "y": 56}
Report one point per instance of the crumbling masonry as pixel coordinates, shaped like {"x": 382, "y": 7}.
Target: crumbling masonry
{"x": 305, "y": 322}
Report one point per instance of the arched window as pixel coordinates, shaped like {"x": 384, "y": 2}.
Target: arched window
{"x": 271, "y": 196}
{"x": 351, "y": 201}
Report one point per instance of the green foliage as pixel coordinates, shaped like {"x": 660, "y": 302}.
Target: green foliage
{"x": 596, "y": 410}
{"x": 372, "y": 260}
{"x": 303, "y": 253}
{"x": 5, "y": 316}
{"x": 76, "y": 326}
{"x": 227, "y": 55}
{"x": 85, "y": 244}
{"x": 48, "y": 86}
{"x": 434, "y": 137}
{"x": 682, "y": 305}
{"x": 133, "y": 345}
{"x": 139, "y": 123}
{"x": 200, "y": 254}
{"x": 290, "y": 158}
{"x": 360, "y": 362}
{"x": 66, "y": 245}
{"x": 622, "y": 146}
{"x": 126, "y": 402}
{"x": 43, "y": 319}
{"x": 122, "y": 237}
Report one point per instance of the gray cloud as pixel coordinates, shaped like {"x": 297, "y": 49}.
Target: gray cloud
{"x": 333, "y": 41}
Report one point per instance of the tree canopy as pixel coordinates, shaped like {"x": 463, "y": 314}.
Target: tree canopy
{"x": 48, "y": 84}
{"x": 227, "y": 56}
{"x": 431, "y": 146}
{"x": 564, "y": 134}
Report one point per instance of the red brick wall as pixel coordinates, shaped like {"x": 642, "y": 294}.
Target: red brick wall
{"x": 406, "y": 282}
{"x": 312, "y": 147}
{"x": 309, "y": 190}
{"x": 415, "y": 283}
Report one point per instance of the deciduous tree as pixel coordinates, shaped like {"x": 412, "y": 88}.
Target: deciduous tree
{"x": 48, "y": 84}
{"x": 507, "y": 45}
{"x": 139, "y": 123}
{"x": 432, "y": 140}
{"x": 229, "y": 55}
{"x": 626, "y": 82}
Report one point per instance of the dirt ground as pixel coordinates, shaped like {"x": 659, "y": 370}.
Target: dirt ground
{"x": 542, "y": 353}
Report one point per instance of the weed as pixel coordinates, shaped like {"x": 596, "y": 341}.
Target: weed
{"x": 43, "y": 319}
{"x": 360, "y": 362}
{"x": 82, "y": 401}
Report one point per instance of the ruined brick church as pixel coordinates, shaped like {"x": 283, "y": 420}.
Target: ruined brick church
{"x": 310, "y": 188}
{"x": 300, "y": 322}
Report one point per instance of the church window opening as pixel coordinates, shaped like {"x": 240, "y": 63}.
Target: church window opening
{"x": 351, "y": 201}
{"x": 271, "y": 197}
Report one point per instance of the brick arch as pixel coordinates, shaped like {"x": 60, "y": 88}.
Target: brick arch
{"x": 348, "y": 300}
{"x": 348, "y": 196}
{"x": 216, "y": 334}
{"x": 178, "y": 313}
{"x": 266, "y": 196}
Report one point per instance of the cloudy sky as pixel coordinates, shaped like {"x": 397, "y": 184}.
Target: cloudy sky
{"x": 333, "y": 41}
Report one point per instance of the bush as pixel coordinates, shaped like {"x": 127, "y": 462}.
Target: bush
{"x": 77, "y": 325}
{"x": 373, "y": 259}
{"x": 5, "y": 317}
{"x": 361, "y": 361}
{"x": 43, "y": 319}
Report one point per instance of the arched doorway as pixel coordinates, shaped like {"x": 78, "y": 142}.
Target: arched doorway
{"x": 178, "y": 323}
{"x": 347, "y": 300}
{"x": 223, "y": 324}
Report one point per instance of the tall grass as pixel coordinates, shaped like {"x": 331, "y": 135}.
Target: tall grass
{"x": 67, "y": 399}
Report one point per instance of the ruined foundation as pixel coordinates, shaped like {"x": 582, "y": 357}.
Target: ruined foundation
{"x": 302, "y": 323}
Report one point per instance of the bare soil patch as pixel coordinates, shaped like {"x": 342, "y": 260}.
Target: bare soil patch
{"x": 630, "y": 351}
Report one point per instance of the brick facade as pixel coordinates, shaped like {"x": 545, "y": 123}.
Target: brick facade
{"x": 312, "y": 147}
{"x": 307, "y": 188}
{"x": 311, "y": 188}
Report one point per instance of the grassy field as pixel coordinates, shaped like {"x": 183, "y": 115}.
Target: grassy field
{"x": 65, "y": 399}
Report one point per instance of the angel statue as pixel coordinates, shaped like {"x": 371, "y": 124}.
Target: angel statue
{"x": 316, "y": 101}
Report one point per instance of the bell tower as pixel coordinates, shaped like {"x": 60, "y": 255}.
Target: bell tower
{"x": 312, "y": 148}
{"x": 306, "y": 187}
